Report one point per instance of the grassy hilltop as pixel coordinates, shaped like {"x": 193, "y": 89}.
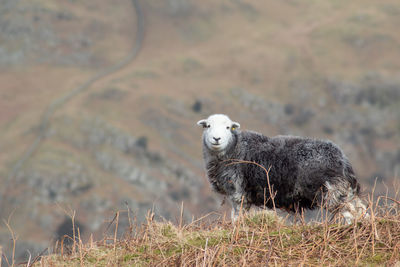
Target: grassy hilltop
{"x": 254, "y": 240}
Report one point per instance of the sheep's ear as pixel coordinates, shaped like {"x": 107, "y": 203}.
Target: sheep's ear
{"x": 202, "y": 123}
{"x": 235, "y": 125}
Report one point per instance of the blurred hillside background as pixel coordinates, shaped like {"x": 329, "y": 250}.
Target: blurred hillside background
{"x": 325, "y": 69}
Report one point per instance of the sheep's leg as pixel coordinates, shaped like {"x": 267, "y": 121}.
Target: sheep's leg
{"x": 354, "y": 208}
{"x": 238, "y": 208}
{"x": 234, "y": 214}
{"x": 348, "y": 217}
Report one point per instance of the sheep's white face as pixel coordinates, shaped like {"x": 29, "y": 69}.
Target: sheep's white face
{"x": 218, "y": 129}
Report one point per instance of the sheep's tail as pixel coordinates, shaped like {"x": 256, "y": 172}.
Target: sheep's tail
{"x": 350, "y": 176}
{"x": 345, "y": 195}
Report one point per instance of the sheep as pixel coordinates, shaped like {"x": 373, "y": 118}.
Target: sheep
{"x": 303, "y": 173}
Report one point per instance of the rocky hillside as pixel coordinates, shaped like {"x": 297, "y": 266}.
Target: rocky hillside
{"x": 321, "y": 69}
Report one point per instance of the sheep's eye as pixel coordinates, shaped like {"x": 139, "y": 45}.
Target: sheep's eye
{"x": 208, "y": 126}
{"x": 227, "y": 127}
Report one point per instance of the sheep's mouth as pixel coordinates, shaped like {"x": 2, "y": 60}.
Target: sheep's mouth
{"x": 216, "y": 146}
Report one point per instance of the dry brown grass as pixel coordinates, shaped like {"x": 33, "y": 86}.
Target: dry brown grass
{"x": 255, "y": 239}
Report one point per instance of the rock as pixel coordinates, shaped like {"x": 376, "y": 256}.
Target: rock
{"x": 196, "y": 107}
{"x": 68, "y": 231}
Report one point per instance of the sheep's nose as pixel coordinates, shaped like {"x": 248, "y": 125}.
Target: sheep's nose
{"x": 217, "y": 139}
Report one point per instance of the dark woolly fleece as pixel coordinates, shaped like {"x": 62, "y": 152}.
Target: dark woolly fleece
{"x": 299, "y": 169}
